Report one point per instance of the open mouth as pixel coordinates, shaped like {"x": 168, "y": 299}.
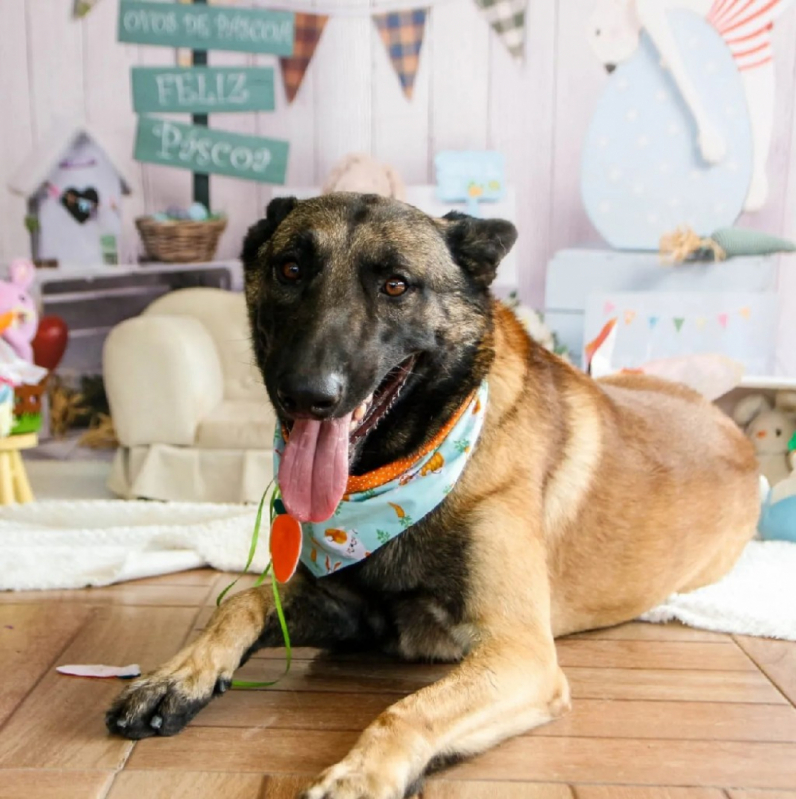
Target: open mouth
{"x": 376, "y": 406}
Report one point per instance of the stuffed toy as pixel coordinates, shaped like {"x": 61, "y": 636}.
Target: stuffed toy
{"x": 770, "y": 428}
{"x": 18, "y": 316}
{"x": 684, "y": 245}
{"x": 360, "y": 173}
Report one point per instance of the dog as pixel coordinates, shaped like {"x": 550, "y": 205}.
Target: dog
{"x": 745, "y": 26}
{"x": 582, "y": 503}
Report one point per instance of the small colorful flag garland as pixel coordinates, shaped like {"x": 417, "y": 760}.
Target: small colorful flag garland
{"x": 629, "y": 316}
{"x": 402, "y": 34}
{"x": 402, "y": 31}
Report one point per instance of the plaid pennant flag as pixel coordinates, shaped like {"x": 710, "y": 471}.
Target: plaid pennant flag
{"x": 308, "y": 28}
{"x": 507, "y": 18}
{"x": 402, "y": 34}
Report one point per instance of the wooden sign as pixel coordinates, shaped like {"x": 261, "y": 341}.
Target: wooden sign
{"x": 203, "y": 89}
{"x": 200, "y": 149}
{"x": 202, "y": 27}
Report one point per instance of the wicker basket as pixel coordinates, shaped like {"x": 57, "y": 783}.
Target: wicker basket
{"x": 180, "y": 241}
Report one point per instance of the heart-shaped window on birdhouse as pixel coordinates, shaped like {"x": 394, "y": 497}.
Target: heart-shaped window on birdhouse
{"x": 80, "y": 203}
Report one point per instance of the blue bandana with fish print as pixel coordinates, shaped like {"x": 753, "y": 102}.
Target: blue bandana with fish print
{"x": 382, "y": 504}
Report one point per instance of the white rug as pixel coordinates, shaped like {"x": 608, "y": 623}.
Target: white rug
{"x": 48, "y": 545}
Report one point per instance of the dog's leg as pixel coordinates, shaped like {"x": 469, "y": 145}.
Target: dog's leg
{"x": 509, "y": 683}
{"x": 318, "y": 614}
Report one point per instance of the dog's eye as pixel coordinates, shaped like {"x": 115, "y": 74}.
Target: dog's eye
{"x": 291, "y": 272}
{"x": 394, "y": 287}
{"x": 779, "y": 432}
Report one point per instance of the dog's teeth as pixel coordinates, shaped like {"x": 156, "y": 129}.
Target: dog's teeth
{"x": 360, "y": 412}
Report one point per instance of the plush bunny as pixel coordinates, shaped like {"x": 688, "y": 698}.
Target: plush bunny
{"x": 770, "y": 428}
{"x": 361, "y": 173}
{"x": 18, "y": 317}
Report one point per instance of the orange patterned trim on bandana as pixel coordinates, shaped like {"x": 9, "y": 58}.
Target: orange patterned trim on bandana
{"x": 378, "y": 477}
{"x": 384, "y": 474}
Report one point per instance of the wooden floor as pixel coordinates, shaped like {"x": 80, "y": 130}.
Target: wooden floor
{"x": 659, "y": 712}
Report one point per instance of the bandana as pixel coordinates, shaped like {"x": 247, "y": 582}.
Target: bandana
{"x": 380, "y": 505}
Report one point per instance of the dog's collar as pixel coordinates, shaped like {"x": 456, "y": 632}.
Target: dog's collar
{"x": 380, "y": 505}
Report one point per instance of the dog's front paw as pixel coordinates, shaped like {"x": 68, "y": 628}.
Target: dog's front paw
{"x": 353, "y": 780}
{"x": 161, "y": 703}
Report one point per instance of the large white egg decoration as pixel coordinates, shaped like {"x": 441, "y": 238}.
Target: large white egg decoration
{"x": 642, "y": 172}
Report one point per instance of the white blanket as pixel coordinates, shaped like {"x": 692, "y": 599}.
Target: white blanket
{"x": 76, "y": 544}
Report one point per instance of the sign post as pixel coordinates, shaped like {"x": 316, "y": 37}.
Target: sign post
{"x": 201, "y": 181}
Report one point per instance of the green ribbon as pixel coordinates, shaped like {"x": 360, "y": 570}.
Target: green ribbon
{"x": 246, "y": 684}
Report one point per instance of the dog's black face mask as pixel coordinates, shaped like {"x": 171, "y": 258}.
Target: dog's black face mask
{"x": 368, "y": 322}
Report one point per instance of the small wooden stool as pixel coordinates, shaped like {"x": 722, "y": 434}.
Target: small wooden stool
{"x": 14, "y": 485}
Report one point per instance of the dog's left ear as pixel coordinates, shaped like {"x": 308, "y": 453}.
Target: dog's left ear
{"x": 478, "y": 245}
{"x": 261, "y": 232}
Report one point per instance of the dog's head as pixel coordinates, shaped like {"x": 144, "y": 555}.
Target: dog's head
{"x": 614, "y": 31}
{"x": 368, "y": 319}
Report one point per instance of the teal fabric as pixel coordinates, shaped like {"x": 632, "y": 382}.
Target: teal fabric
{"x": 367, "y": 520}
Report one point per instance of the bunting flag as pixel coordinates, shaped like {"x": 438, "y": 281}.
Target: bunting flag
{"x": 629, "y": 317}
{"x": 653, "y": 320}
{"x": 507, "y": 18}
{"x": 679, "y": 321}
{"x": 82, "y": 7}
{"x": 402, "y": 34}
{"x": 308, "y": 29}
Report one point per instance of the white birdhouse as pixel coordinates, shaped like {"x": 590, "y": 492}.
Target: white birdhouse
{"x": 74, "y": 196}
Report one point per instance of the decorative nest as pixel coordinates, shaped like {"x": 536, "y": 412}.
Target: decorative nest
{"x": 180, "y": 241}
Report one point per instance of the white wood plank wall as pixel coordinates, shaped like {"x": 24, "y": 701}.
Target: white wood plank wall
{"x": 468, "y": 94}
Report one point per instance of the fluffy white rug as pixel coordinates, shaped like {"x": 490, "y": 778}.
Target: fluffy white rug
{"x": 76, "y": 544}
{"x": 91, "y": 543}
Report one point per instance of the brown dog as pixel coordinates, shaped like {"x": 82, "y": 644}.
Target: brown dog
{"x": 583, "y": 504}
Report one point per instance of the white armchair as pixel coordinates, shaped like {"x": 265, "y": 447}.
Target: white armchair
{"x": 189, "y": 407}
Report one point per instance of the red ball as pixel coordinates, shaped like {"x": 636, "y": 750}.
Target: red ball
{"x": 49, "y": 343}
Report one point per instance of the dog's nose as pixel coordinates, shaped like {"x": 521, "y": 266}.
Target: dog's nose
{"x": 317, "y": 398}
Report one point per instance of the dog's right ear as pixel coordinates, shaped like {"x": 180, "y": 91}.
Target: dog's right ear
{"x": 261, "y": 232}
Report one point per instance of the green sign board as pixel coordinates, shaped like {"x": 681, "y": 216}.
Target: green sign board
{"x": 200, "y": 149}
{"x": 202, "y": 90}
{"x": 203, "y": 27}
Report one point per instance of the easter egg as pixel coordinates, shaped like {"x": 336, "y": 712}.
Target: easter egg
{"x": 160, "y": 217}
{"x": 198, "y": 212}
{"x": 175, "y": 212}
{"x": 642, "y": 173}
{"x": 50, "y": 342}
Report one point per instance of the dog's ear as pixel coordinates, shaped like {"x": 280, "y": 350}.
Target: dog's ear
{"x": 262, "y": 231}
{"x": 478, "y": 245}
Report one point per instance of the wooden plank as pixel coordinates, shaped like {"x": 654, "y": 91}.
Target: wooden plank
{"x": 29, "y": 644}
{"x": 702, "y": 721}
{"x": 199, "y": 149}
{"x": 641, "y": 631}
{"x": 670, "y": 685}
{"x": 124, "y": 594}
{"x": 720, "y": 655}
{"x": 400, "y": 126}
{"x": 131, "y": 784}
{"x": 343, "y": 86}
{"x": 589, "y": 718}
{"x": 107, "y": 64}
{"x": 16, "y": 783}
{"x": 522, "y": 114}
{"x": 634, "y": 792}
{"x": 192, "y": 577}
{"x": 739, "y": 794}
{"x": 630, "y": 762}
{"x": 61, "y": 724}
{"x": 206, "y": 28}
{"x": 202, "y": 89}
{"x": 16, "y": 129}
{"x": 238, "y": 199}
{"x": 243, "y": 750}
{"x": 457, "y": 789}
{"x": 777, "y": 660}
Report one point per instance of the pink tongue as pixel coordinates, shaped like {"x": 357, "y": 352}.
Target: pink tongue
{"x": 314, "y": 469}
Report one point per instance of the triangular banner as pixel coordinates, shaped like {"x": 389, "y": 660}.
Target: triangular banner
{"x": 745, "y": 312}
{"x": 653, "y": 320}
{"x": 308, "y": 29}
{"x": 629, "y": 317}
{"x": 402, "y": 34}
{"x": 723, "y": 319}
{"x": 507, "y": 18}
{"x": 679, "y": 321}
{"x": 701, "y": 322}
